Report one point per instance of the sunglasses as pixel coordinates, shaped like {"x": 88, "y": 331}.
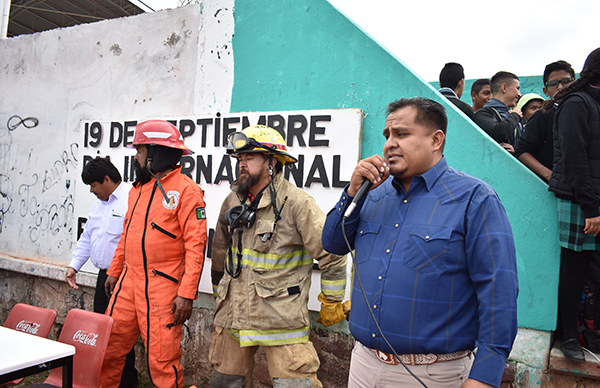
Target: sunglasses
{"x": 554, "y": 83}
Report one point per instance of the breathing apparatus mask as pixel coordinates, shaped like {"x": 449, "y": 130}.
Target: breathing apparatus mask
{"x": 240, "y": 216}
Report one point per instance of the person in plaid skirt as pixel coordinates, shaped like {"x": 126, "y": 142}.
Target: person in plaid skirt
{"x": 575, "y": 181}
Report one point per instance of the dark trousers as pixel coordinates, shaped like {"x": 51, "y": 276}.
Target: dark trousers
{"x": 574, "y": 268}
{"x": 130, "y": 375}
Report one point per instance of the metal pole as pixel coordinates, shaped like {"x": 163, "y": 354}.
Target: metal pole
{"x": 5, "y": 12}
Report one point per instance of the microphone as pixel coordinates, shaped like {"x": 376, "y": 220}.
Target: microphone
{"x": 360, "y": 195}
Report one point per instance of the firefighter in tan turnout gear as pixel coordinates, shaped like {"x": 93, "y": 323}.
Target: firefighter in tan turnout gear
{"x": 267, "y": 235}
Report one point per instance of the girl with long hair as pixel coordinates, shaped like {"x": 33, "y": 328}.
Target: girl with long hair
{"x": 575, "y": 181}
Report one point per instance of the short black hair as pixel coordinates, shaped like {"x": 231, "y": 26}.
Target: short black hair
{"x": 451, "y": 74}
{"x": 429, "y": 113}
{"x": 479, "y": 84}
{"x": 96, "y": 169}
{"x": 589, "y": 75}
{"x": 557, "y": 66}
{"x": 501, "y": 77}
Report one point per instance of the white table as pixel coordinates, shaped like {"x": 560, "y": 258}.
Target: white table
{"x": 23, "y": 354}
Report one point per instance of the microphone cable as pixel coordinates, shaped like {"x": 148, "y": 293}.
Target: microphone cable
{"x": 355, "y": 268}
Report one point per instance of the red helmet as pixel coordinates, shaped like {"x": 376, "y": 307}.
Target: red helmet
{"x": 159, "y": 132}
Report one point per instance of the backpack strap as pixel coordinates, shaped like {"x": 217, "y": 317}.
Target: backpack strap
{"x": 498, "y": 115}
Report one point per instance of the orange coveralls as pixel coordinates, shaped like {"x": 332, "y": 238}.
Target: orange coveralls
{"x": 159, "y": 257}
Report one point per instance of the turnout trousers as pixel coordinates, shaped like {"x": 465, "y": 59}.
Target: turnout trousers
{"x": 141, "y": 306}
{"x": 290, "y": 366}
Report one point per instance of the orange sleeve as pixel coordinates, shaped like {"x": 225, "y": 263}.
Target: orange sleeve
{"x": 192, "y": 221}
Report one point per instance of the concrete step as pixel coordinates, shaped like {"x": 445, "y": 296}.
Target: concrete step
{"x": 559, "y": 363}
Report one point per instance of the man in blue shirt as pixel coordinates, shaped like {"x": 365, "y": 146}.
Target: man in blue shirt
{"x": 436, "y": 258}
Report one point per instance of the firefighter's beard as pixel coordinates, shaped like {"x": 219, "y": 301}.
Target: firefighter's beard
{"x": 247, "y": 180}
{"x": 142, "y": 174}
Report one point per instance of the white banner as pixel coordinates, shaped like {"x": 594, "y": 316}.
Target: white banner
{"x": 327, "y": 144}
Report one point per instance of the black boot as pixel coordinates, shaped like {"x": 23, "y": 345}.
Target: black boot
{"x": 572, "y": 350}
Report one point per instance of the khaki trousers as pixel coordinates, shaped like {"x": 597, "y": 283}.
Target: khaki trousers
{"x": 367, "y": 371}
{"x": 293, "y": 361}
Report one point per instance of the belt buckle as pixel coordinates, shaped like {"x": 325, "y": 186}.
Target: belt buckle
{"x": 386, "y": 358}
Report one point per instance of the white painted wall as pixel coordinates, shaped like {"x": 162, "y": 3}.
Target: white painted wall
{"x": 173, "y": 62}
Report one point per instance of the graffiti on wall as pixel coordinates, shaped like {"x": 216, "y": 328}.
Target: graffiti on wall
{"x": 36, "y": 196}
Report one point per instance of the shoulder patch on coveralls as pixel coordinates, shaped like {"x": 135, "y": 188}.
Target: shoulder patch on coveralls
{"x": 200, "y": 213}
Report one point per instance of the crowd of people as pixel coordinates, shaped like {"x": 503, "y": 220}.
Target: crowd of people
{"x": 559, "y": 139}
{"x": 502, "y": 112}
{"x": 434, "y": 288}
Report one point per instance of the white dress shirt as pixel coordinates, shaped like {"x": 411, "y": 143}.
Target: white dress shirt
{"x": 102, "y": 230}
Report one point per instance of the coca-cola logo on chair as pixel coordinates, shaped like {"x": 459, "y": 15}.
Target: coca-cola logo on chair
{"x": 85, "y": 338}
{"x": 28, "y": 327}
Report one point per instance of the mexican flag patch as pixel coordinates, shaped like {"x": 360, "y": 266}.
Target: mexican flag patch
{"x": 200, "y": 213}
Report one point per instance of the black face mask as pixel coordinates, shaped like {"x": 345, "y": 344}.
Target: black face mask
{"x": 161, "y": 159}
{"x": 164, "y": 158}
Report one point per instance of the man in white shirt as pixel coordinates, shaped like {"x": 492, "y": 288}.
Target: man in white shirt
{"x": 101, "y": 236}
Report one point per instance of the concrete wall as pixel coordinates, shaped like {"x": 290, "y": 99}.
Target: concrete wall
{"x": 206, "y": 59}
{"x": 144, "y": 66}
{"x": 326, "y": 61}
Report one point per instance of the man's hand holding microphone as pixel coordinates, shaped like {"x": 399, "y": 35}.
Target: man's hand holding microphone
{"x": 368, "y": 174}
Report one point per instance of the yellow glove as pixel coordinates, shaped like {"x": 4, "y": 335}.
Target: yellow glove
{"x": 332, "y": 311}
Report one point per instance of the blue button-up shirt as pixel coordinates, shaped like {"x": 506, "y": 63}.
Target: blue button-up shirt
{"x": 102, "y": 230}
{"x": 438, "y": 267}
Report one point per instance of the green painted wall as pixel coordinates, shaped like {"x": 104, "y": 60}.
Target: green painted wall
{"x": 304, "y": 54}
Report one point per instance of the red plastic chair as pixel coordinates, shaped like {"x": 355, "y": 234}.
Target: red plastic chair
{"x": 32, "y": 320}
{"x": 89, "y": 333}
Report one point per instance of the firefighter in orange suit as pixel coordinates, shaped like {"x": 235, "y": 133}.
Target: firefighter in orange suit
{"x": 155, "y": 273}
